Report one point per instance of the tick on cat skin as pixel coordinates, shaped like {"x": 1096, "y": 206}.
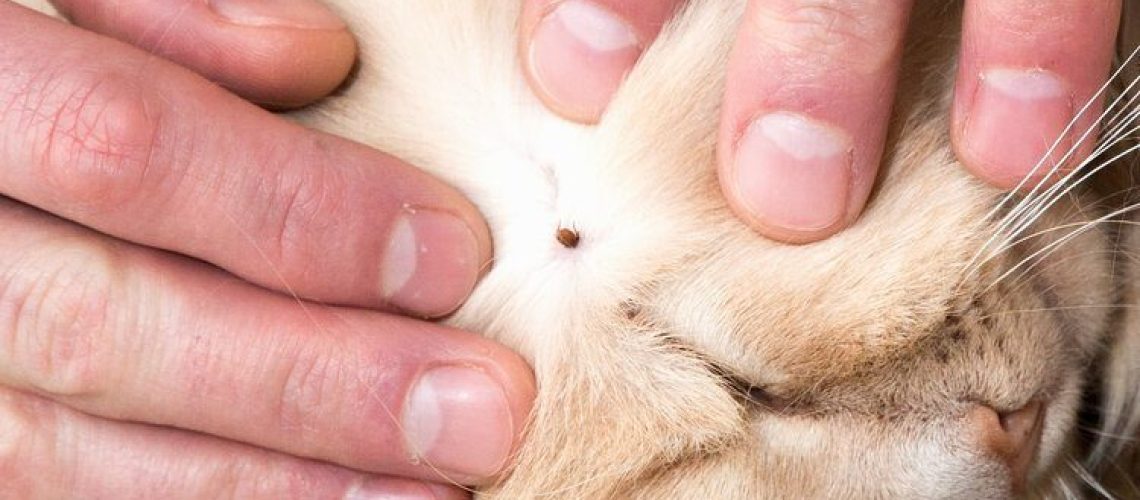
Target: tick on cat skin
{"x": 569, "y": 238}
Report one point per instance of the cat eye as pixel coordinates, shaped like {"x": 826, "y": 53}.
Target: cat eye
{"x": 753, "y": 395}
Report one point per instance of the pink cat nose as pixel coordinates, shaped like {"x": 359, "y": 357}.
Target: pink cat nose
{"x": 1012, "y": 437}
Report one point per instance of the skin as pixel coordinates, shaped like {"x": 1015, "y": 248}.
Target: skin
{"x": 819, "y": 77}
{"x": 200, "y": 298}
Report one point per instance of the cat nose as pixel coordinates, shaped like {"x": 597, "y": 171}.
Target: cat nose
{"x": 1013, "y": 437}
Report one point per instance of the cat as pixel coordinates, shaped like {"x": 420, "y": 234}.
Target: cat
{"x": 946, "y": 346}
{"x": 956, "y": 342}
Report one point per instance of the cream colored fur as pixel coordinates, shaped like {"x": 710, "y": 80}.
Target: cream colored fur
{"x": 863, "y": 352}
{"x": 644, "y": 334}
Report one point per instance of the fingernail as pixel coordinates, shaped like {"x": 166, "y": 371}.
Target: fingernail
{"x": 579, "y": 55}
{"x": 389, "y": 489}
{"x": 793, "y": 172}
{"x": 1015, "y": 117}
{"x": 457, "y": 419}
{"x": 431, "y": 262}
{"x": 304, "y": 14}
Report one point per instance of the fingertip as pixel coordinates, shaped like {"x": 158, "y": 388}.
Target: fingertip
{"x": 372, "y": 488}
{"x": 797, "y": 179}
{"x": 791, "y": 175}
{"x": 517, "y": 380}
{"x": 302, "y": 14}
{"x": 430, "y": 262}
{"x": 277, "y": 53}
{"x": 1038, "y": 101}
{"x": 519, "y": 385}
{"x": 286, "y": 69}
{"x": 437, "y": 248}
{"x": 798, "y": 153}
{"x": 1026, "y": 101}
{"x": 443, "y": 492}
{"x": 465, "y": 417}
{"x": 576, "y": 53}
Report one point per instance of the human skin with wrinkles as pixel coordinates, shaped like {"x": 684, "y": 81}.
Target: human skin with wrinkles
{"x": 175, "y": 255}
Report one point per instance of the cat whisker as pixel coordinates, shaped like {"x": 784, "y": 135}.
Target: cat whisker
{"x": 1115, "y": 249}
{"x": 1128, "y": 438}
{"x": 1063, "y": 487}
{"x": 1028, "y": 278}
{"x": 1088, "y": 479}
{"x": 1049, "y": 197}
{"x": 1048, "y": 250}
{"x": 1120, "y": 106}
{"x": 1060, "y": 308}
{"x": 1008, "y": 240}
{"x": 1118, "y": 117}
{"x": 1068, "y": 128}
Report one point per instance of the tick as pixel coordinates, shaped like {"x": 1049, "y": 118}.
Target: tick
{"x": 567, "y": 237}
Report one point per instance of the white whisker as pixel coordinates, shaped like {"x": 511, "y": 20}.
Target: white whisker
{"x": 1068, "y": 128}
{"x": 1118, "y": 119}
{"x": 1052, "y": 246}
{"x": 1063, "y": 486}
{"x": 1009, "y": 243}
{"x": 1050, "y": 196}
{"x": 1088, "y": 479}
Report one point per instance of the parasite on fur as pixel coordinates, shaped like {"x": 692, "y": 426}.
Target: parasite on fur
{"x": 567, "y": 237}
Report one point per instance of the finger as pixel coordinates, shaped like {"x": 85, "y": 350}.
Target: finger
{"x": 101, "y": 134}
{"x": 133, "y": 334}
{"x": 1025, "y": 72}
{"x": 576, "y": 53}
{"x": 805, "y": 115}
{"x": 282, "y": 53}
{"x": 48, "y": 451}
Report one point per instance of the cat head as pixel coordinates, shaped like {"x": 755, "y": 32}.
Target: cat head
{"x": 943, "y": 346}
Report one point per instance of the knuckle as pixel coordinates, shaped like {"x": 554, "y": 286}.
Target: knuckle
{"x": 307, "y": 388}
{"x": 29, "y": 448}
{"x": 1034, "y": 11}
{"x": 830, "y": 32}
{"x": 1029, "y": 22}
{"x": 301, "y": 206}
{"x": 95, "y": 138}
{"x": 55, "y": 307}
{"x": 286, "y": 479}
{"x": 278, "y": 479}
{"x": 16, "y": 427}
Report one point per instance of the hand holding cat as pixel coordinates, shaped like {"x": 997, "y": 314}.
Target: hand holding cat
{"x": 810, "y": 85}
{"x": 253, "y": 390}
{"x": 130, "y": 364}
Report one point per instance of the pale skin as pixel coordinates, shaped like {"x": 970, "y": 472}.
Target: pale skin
{"x": 96, "y": 133}
{"x": 118, "y": 165}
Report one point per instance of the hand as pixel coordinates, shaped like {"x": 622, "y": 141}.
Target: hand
{"x": 128, "y": 370}
{"x": 818, "y": 77}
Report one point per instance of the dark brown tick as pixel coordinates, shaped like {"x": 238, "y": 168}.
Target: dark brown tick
{"x": 567, "y": 237}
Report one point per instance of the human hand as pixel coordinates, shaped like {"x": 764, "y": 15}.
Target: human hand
{"x": 127, "y": 370}
{"x": 810, "y": 85}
